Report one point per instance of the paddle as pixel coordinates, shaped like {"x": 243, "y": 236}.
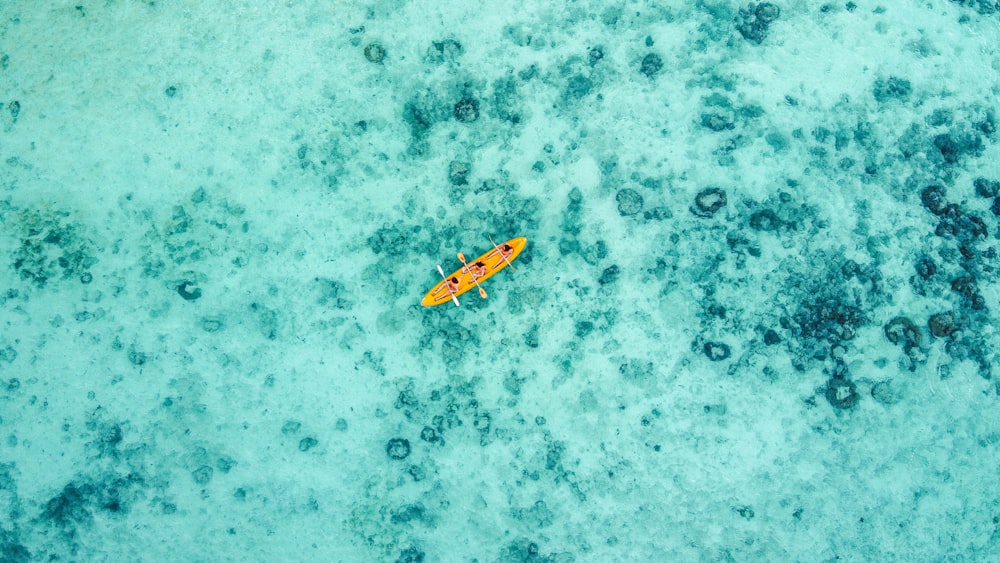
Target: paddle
{"x": 448, "y": 285}
{"x": 482, "y": 292}
{"x": 500, "y": 252}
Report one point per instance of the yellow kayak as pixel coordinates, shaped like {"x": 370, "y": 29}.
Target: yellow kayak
{"x": 473, "y": 272}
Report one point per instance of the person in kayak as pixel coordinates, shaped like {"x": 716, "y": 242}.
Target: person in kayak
{"x": 477, "y": 269}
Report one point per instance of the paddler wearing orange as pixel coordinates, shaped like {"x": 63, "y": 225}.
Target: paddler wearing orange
{"x": 472, "y": 273}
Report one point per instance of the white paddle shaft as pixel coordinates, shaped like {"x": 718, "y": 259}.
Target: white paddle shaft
{"x": 501, "y": 254}
{"x": 448, "y": 285}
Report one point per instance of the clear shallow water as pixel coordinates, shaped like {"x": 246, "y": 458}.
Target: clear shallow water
{"x": 756, "y": 319}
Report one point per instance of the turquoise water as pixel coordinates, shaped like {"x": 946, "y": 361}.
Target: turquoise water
{"x": 756, "y": 319}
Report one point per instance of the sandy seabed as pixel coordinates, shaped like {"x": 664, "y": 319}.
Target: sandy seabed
{"x": 756, "y": 319}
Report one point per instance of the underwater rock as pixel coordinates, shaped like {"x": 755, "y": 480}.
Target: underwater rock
{"x": 708, "y": 201}
{"x": 885, "y": 393}
{"x": 902, "y": 330}
{"x": 609, "y": 275}
{"x": 202, "y": 475}
{"x": 429, "y": 434}
{"x": 651, "y": 65}
{"x": 374, "y": 53}
{"x": 925, "y": 267}
{"x": 716, "y": 351}
{"x": 986, "y": 188}
{"x": 967, "y": 288}
{"x": 771, "y": 337}
{"x": 448, "y": 50}
{"x": 467, "y": 110}
{"x": 954, "y": 146}
{"x": 458, "y": 173}
{"x": 827, "y": 319}
{"x": 398, "y": 448}
{"x": 578, "y": 86}
{"x": 765, "y": 220}
{"x": 942, "y": 325}
{"x": 595, "y": 55}
{"x": 657, "y": 214}
{"x": 841, "y": 393}
{"x": 754, "y": 20}
{"x": 629, "y": 202}
{"x": 410, "y": 555}
{"x": 188, "y": 291}
{"x": 891, "y": 88}
{"x": 717, "y": 122}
